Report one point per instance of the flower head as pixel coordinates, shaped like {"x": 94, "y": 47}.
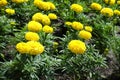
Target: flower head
{"x": 117, "y": 12}
{"x": 10, "y": 11}
{"x": 19, "y": 1}
{"x": 68, "y": 23}
{"x": 77, "y": 25}
{"x": 37, "y": 17}
{"x": 85, "y": 34}
{"x": 77, "y": 46}
{"x": 32, "y": 36}
{"x": 52, "y": 16}
{"x": 111, "y": 2}
{"x": 52, "y": 6}
{"x": 23, "y": 47}
{"x": 47, "y": 29}
{"x": 76, "y": 7}
{"x": 107, "y": 12}
{"x": 34, "y": 26}
{"x": 46, "y": 20}
{"x": 88, "y": 28}
{"x": 36, "y": 47}
{"x": 96, "y": 6}
{"x": 3, "y": 3}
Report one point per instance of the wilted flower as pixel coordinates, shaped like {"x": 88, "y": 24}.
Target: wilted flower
{"x": 47, "y": 29}
{"x": 96, "y": 6}
{"x": 76, "y": 7}
{"x": 34, "y": 26}
{"x": 77, "y": 46}
{"x": 77, "y": 25}
{"x": 107, "y": 12}
{"x": 32, "y": 36}
{"x": 10, "y": 11}
{"x": 85, "y": 34}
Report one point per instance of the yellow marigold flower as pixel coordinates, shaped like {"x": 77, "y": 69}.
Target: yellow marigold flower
{"x": 52, "y": 16}
{"x": 36, "y": 2}
{"x": 36, "y": 47}
{"x": 3, "y": 2}
{"x": 18, "y": 1}
{"x": 85, "y": 34}
{"x": 96, "y": 6}
{"x": 111, "y": 2}
{"x": 107, "y": 12}
{"x": 76, "y": 7}
{"x": 43, "y": 5}
{"x": 47, "y": 29}
{"x": 88, "y": 28}
{"x": 46, "y": 6}
{"x": 68, "y": 23}
{"x": 77, "y": 46}
{"x": 52, "y": 6}
{"x": 46, "y": 20}
{"x": 37, "y": 17}
{"x": 118, "y": 2}
{"x": 23, "y": 47}
{"x": 10, "y": 11}
{"x": 34, "y": 26}
{"x": 77, "y": 25}
{"x": 32, "y": 36}
{"x": 117, "y": 12}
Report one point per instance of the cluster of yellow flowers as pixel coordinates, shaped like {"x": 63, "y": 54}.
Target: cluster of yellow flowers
{"x": 19, "y": 1}
{"x": 44, "y": 19}
{"x": 85, "y": 34}
{"x": 111, "y": 2}
{"x": 44, "y": 5}
{"x": 76, "y": 7}
{"x": 106, "y": 11}
{"x": 31, "y": 47}
{"x": 77, "y": 46}
{"x": 10, "y": 11}
{"x": 40, "y": 22}
{"x": 3, "y": 3}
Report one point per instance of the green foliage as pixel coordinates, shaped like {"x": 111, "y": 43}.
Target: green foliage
{"x": 57, "y": 60}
